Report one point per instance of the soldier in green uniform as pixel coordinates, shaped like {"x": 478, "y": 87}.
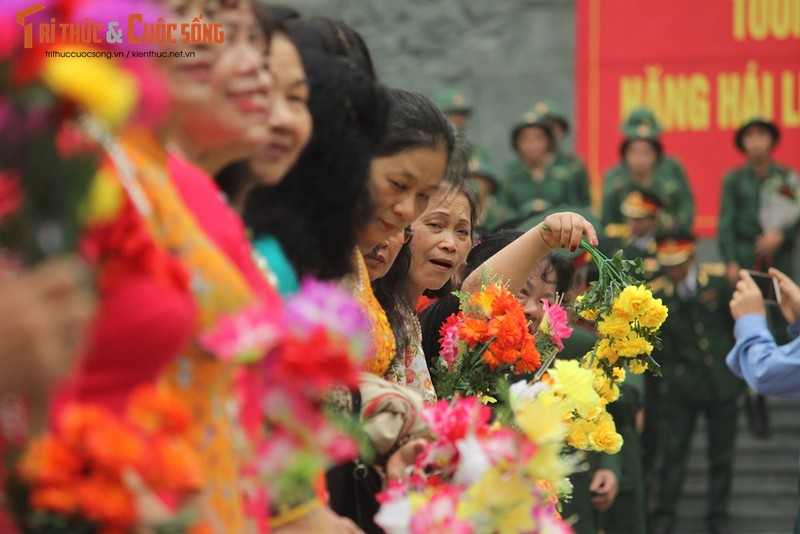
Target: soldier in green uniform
{"x": 535, "y": 183}
{"x": 696, "y": 338}
{"x": 560, "y": 126}
{"x": 637, "y": 236}
{"x": 481, "y": 173}
{"x": 759, "y": 219}
{"x": 644, "y": 165}
{"x": 455, "y": 106}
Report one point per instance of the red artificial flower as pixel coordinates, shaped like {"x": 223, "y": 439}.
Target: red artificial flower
{"x": 316, "y": 362}
{"x": 11, "y": 193}
{"x": 70, "y": 141}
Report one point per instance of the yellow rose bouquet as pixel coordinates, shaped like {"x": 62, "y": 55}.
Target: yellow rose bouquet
{"x": 627, "y": 316}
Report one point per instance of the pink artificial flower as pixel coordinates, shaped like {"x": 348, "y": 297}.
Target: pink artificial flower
{"x": 557, "y": 318}
{"x": 449, "y": 344}
{"x": 245, "y": 336}
{"x": 438, "y": 515}
{"x": 451, "y": 422}
{"x": 550, "y": 521}
{"x": 11, "y": 37}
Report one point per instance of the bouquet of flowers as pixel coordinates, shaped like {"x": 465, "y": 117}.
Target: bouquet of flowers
{"x": 297, "y": 357}
{"x": 46, "y": 165}
{"x": 101, "y": 473}
{"x": 488, "y": 338}
{"x": 480, "y": 478}
{"x": 580, "y": 397}
{"x": 628, "y": 317}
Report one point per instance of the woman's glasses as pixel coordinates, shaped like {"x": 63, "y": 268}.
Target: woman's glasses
{"x": 402, "y": 237}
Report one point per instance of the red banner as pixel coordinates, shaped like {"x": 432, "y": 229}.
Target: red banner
{"x": 704, "y": 67}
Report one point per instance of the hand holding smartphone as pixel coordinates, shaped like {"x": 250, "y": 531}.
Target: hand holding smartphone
{"x": 768, "y": 285}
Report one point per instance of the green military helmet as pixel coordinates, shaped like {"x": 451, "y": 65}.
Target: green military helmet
{"x": 531, "y": 118}
{"x": 760, "y": 122}
{"x": 641, "y": 123}
{"x": 452, "y": 101}
{"x": 552, "y": 111}
{"x": 480, "y": 164}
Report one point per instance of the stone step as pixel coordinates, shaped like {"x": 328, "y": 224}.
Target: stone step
{"x": 764, "y": 497}
{"x": 779, "y": 506}
{"x": 741, "y": 526}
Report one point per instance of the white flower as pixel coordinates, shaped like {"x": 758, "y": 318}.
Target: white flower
{"x": 523, "y": 392}
{"x": 472, "y": 462}
{"x": 395, "y": 516}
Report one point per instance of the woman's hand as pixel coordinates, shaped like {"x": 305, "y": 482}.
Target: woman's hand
{"x": 46, "y": 312}
{"x": 566, "y": 229}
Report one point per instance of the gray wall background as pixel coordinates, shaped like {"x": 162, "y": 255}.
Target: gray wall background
{"x": 503, "y": 54}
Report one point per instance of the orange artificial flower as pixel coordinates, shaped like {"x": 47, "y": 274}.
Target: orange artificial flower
{"x": 77, "y": 422}
{"x": 505, "y": 303}
{"x": 491, "y": 360}
{"x": 159, "y": 410}
{"x": 115, "y": 446}
{"x": 473, "y": 331}
{"x": 48, "y": 460}
{"x": 530, "y": 359}
{"x": 107, "y": 501}
{"x": 508, "y": 330}
{"x": 172, "y": 465}
{"x": 58, "y": 499}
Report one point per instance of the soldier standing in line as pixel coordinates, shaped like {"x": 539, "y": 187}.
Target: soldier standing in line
{"x": 644, "y": 165}
{"x": 560, "y": 126}
{"x": 696, "y": 339}
{"x": 758, "y": 224}
{"x": 482, "y": 174}
{"x": 456, "y": 108}
{"x": 535, "y": 182}
{"x": 637, "y": 236}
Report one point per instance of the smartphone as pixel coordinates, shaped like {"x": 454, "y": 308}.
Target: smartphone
{"x": 768, "y": 286}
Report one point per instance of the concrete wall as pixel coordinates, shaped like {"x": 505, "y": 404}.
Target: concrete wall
{"x": 503, "y": 54}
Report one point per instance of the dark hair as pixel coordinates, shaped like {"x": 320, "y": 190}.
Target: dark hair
{"x": 332, "y": 38}
{"x": 276, "y": 14}
{"x": 655, "y": 143}
{"x": 558, "y": 265}
{"x": 543, "y": 126}
{"x": 415, "y": 122}
{"x": 392, "y": 290}
{"x": 488, "y": 246}
{"x": 314, "y": 210}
